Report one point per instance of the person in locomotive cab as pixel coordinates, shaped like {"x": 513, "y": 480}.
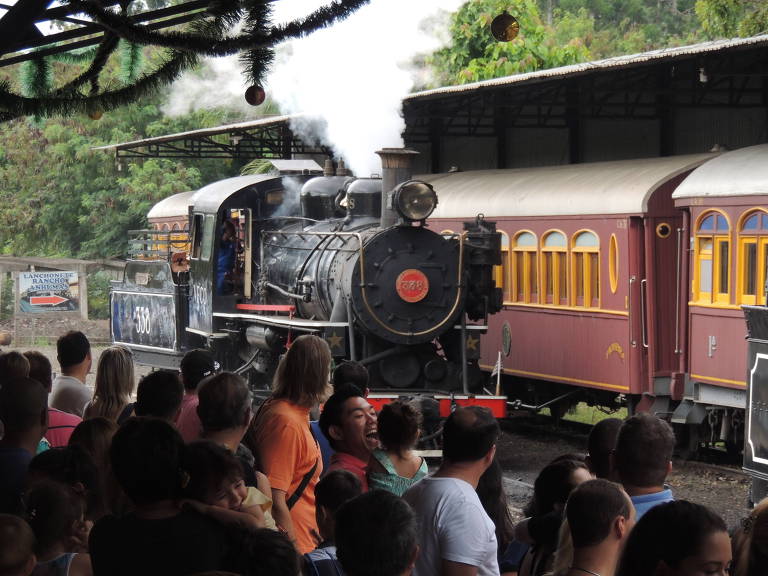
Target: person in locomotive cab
{"x": 457, "y": 536}
{"x": 227, "y": 256}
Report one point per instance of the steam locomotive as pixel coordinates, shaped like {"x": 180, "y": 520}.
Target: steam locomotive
{"x": 349, "y": 259}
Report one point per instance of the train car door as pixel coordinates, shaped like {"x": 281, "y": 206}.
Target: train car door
{"x": 638, "y": 372}
{"x": 659, "y": 290}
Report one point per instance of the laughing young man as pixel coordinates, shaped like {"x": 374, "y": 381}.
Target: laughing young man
{"x": 349, "y": 423}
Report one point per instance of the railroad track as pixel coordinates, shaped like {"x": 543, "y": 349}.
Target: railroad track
{"x": 543, "y": 426}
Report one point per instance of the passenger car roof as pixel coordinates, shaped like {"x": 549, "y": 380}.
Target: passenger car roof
{"x": 621, "y": 187}
{"x": 742, "y": 172}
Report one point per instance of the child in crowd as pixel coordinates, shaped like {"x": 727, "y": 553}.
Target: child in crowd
{"x": 270, "y": 553}
{"x": 73, "y": 466}
{"x": 333, "y": 490}
{"x": 17, "y": 547}
{"x": 56, "y": 514}
{"x": 156, "y": 538}
{"x": 216, "y": 480}
{"x": 396, "y": 467}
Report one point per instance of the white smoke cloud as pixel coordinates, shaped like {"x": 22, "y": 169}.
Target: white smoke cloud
{"x": 218, "y": 83}
{"x": 353, "y": 74}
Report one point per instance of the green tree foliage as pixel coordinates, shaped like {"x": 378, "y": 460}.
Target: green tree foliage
{"x": 729, "y": 18}
{"x": 58, "y": 197}
{"x": 475, "y": 55}
{"x": 559, "y": 32}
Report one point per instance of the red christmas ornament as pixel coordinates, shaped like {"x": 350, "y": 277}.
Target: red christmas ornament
{"x": 255, "y": 95}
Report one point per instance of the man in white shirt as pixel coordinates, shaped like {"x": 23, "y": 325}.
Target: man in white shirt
{"x": 456, "y": 536}
{"x": 69, "y": 393}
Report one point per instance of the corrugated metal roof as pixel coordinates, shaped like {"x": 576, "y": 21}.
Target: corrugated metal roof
{"x": 176, "y": 205}
{"x": 742, "y": 172}
{"x": 608, "y": 63}
{"x": 622, "y": 187}
{"x": 214, "y": 131}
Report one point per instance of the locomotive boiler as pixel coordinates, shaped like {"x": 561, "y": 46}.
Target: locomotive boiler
{"x": 353, "y": 261}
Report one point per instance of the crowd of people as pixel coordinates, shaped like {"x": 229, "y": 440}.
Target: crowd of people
{"x": 181, "y": 475}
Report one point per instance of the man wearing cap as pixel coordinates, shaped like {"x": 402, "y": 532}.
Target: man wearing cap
{"x": 195, "y": 366}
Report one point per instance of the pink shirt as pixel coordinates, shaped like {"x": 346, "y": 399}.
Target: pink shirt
{"x": 188, "y": 422}
{"x": 60, "y": 427}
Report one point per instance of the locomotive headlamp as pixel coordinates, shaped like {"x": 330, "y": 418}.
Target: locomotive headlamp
{"x": 414, "y": 200}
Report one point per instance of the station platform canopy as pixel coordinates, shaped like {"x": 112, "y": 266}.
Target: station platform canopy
{"x": 272, "y": 138}
{"x": 677, "y": 95}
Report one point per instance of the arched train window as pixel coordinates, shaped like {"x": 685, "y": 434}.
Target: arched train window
{"x": 585, "y": 271}
{"x": 525, "y": 271}
{"x": 554, "y": 271}
{"x": 712, "y": 256}
{"x": 753, "y": 257}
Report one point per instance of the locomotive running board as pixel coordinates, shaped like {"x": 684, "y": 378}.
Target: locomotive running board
{"x": 283, "y": 322}
{"x": 310, "y": 325}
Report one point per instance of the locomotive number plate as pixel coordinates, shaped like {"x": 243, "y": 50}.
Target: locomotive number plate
{"x": 412, "y": 285}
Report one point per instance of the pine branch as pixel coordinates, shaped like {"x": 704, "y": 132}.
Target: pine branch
{"x": 208, "y": 44}
{"x": 14, "y": 105}
{"x": 102, "y": 54}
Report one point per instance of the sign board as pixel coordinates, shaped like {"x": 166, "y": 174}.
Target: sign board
{"x": 43, "y": 292}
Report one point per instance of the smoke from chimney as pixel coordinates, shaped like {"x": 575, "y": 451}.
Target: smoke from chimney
{"x": 355, "y": 73}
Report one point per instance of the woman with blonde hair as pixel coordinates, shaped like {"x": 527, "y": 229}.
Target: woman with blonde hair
{"x": 114, "y": 386}
{"x": 281, "y": 439}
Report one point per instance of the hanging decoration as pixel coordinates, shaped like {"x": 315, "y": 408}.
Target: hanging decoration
{"x": 255, "y": 95}
{"x": 209, "y": 35}
{"x": 505, "y": 27}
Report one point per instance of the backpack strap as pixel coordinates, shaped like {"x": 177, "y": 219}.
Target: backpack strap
{"x": 291, "y": 502}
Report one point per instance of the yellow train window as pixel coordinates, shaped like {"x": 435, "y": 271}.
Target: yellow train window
{"x": 711, "y": 282}
{"x": 524, "y": 268}
{"x": 752, "y": 258}
{"x": 585, "y": 273}
{"x": 554, "y": 269}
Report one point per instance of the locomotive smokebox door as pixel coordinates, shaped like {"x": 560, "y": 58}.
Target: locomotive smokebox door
{"x": 756, "y": 436}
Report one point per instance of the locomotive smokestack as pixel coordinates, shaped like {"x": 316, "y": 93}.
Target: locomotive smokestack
{"x": 395, "y": 169}
{"x": 341, "y": 169}
{"x": 328, "y": 168}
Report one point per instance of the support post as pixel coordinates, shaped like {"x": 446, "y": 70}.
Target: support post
{"x": 82, "y": 282}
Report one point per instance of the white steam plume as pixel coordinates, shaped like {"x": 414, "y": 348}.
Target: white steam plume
{"x": 355, "y": 74}
{"x": 217, "y": 84}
